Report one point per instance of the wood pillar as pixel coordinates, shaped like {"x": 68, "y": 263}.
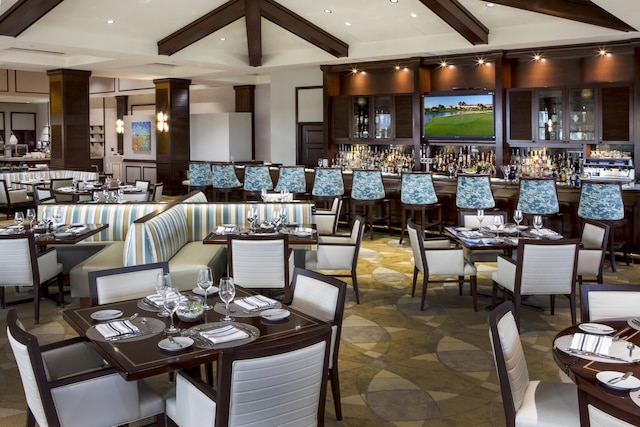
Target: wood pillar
{"x": 246, "y": 103}
{"x": 69, "y": 119}
{"x": 173, "y": 144}
{"x": 122, "y": 109}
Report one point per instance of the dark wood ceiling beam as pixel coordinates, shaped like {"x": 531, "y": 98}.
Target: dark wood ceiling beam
{"x": 576, "y": 10}
{"x": 202, "y": 27}
{"x": 304, "y": 29}
{"x": 23, "y": 14}
{"x": 460, "y": 19}
{"x": 254, "y": 32}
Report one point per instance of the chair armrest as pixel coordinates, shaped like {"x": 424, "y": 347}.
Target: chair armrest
{"x": 194, "y": 401}
{"x": 63, "y": 343}
{"x": 18, "y": 196}
{"x": 335, "y": 239}
{"x": 48, "y": 264}
{"x": 505, "y": 275}
{"x": 83, "y": 376}
{"x": 193, "y": 377}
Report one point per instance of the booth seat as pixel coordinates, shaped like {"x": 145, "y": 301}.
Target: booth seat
{"x": 13, "y": 178}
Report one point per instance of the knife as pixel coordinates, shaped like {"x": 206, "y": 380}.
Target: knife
{"x": 126, "y": 336}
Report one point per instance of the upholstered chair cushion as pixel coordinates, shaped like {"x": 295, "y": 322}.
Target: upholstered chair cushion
{"x": 474, "y": 192}
{"x": 120, "y": 284}
{"x": 613, "y": 304}
{"x": 292, "y": 179}
{"x": 601, "y": 201}
{"x": 190, "y": 406}
{"x": 257, "y": 178}
{"x": 224, "y": 176}
{"x": 538, "y": 197}
{"x": 328, "y": 183}
{"x": 599, "y": 418}
{"x": 326, "y": 220}
{"x": 417, "y": 189}
{"x": 200, "y": 174}
{"x": 367, "y": 185}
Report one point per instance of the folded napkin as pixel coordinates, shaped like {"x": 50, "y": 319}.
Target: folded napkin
{"x": 470, "y": 234}
{"x": 117, "y": 328}
{"x": 224, "y": 334}
{"x": 256, "y": 302}
{"x": 596, "y": 344}
{"x": 158, "y": 301}
{"x": 543, "y": 232}
{"x": 221, "y": 229}
{"x": 303, "y": 230}
{"x": 78, "y": 230}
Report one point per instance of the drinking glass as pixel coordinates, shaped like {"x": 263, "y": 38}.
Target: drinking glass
{"x": 171, "y": 302}
{"x": 497, "y": 221}
{"x": 18, "y": 218}
{"x": 57, "y": 218}
{"x": 263, "y": 194}
{"x": 537, "y": 222}
{"x": 163, "y": 283}
{"x": 227, "y": 292}
{"x": 319, "y": 162}
{"x": 517, "y": 217}
{"x": 480, "y": 216}
{"x": 252, "y": 216}
{"x": 205, "y": 281}
{"x": 31, "y": 215}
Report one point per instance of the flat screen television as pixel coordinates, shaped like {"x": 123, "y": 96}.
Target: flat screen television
{"x": 458, "y": 116}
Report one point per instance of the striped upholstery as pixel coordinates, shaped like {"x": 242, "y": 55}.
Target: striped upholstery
{"x": 118, "y": 216}
{"x": 203, "y": 218}
{"x": 12, "y": 178}
{"x": 195, "y": 197}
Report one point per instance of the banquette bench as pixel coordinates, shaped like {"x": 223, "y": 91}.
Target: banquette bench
{"x": 13, "y": 178}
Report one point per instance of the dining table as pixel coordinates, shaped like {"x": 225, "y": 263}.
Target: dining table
{"x": 596, "y": 356}
{"x": 67, "y": 234}
{"x": 492, "y": 238}
{"x": 145, "y": 355}
{"x": 299, "y": 237}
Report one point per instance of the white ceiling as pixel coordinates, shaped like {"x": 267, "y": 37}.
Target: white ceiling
{"x": 75, "y": 35}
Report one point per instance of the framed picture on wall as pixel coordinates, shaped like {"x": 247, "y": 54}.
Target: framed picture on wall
{"x": 141, "y": 135}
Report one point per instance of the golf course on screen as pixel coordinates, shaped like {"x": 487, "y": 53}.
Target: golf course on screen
{"x": 468, "y": 116}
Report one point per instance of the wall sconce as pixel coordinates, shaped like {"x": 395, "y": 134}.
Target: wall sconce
{"x": 162, "y": 122}
{"x": 120, "y": 126}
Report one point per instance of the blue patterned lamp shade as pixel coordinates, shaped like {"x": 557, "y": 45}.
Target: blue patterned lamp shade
{"x": 292, "y": 180}
{"x": 538, "y": 197}
{"x": 417, "y": 189}
{"x": 256, "y": 178}
{"x": 328, "y": 183}
{"x": 601, "y": 201}
{"x": 474, "y": 192}
{"x": 200, "y": 174}
{"x": 367, "y": 185}
{"x": 224, "y": 176}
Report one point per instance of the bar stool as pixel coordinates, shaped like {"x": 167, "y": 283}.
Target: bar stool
{"x": 224, "y": 180}
{"x": 417, "y": 194}
{"x": 327, "y": 185}
{"x": 367, "y": 192}
{"x": 602, "y": 201}
{"x": 200, "y": 176}
{"x": 293, "y": 180}
{"x": 256, "y": 178}
{"x": 474, "y": 192}
{"x": 539, "y": 196}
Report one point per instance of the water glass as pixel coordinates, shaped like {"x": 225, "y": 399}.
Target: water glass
{"x": 497, "y": 221}
{"x": 31, "y": 215}
{"x": 480, "y": 217}
{"x": 171, "y": 303}
{"x": 18, "y": 218}
{"x": 517, "y": 217}
{"x": 163, "y": 283}
{"x": 205, "y": 281}
{"x": 227, "y": 292}
{"x": 537, "y": 222}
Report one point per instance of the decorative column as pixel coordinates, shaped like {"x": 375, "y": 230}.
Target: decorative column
{"x": 69, "y": 119}
{"x": 246, "y": 103}
{"x": 173, "y": 136}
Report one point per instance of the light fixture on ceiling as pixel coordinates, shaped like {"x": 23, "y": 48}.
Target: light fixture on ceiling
{"x": 393, "y": 1}
{"x": 162, "y": 122}
{"x": 119, "y": 126}
{"x": 481, "y": 61}
{"x": 490, "y": 4}
{"x": 110, "y": 21}
{"x": 327, "y": 11}
{"x": 538, "y": 57}
{"x": 603, "y": 52}
{"x": 223, "y": 39}
{"x": 348, "y": 24}
{"x": 414, "y": 15}
{"x": 444, "y": 64}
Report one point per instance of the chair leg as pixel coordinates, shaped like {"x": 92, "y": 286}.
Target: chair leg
{"x": 474, "y": 291}
{"x": 404, "y": 224}
{"x": 494, "y": 295}
{"x": 2, "y": 297}
{"x": 415, "y": 279}
{"x": 60, "y": 290}
{"x": 36, "y": 303}
{"x": 517, "y": 302}
{"x": 612, "y": 253}
{"x": 425, "y": 281}
{"x": 553, "y": 304}
{"x": 460, "y": 284}
{"x": 572, "y": 305}
{"x": 355, "y": 286}
{"x": 31, "y": 420}
{"x": 335, "y": 391}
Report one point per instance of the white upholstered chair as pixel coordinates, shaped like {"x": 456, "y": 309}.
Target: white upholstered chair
{"x": 13, "y": 199}
{"x": 326, "y": 220}
{"x": 469, "y": 219}
{"x": 527, "y": 403}
{"x": 142, "y": 185}
{"x": 158, "y": 188}
{"x": 22, "y": 265}
{"x": 281, "y": 382}
{"x": 544, "y": 267}
{"x": 67, "y": 384}
{"x": 124, "y": 283}
{"x": 323, "y": 297}
{"x": 59, "y": 183}
{"x": 436, "y": 258}
{"x": 595, "y": 236}
{"x": 43, "y": 196}
{"x": 338, "y": 253}
{"x": 141, "y": 196}
{"x": 261, "y": 262}
{"x": 604, "y": 301}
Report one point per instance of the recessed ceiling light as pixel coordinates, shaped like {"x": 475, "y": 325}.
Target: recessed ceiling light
{"x": 393, "y": 1}
{"x": 223, "y": 39}
{"x": 414, "y": 15}
{"x": 348, "y": 24}
{"x": 110, "y": 21}
{"x": 327, "y": 11}
{"x": 490, "y": 4}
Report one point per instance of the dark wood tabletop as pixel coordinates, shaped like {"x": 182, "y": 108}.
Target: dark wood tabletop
{"x": 490, "y": 240}
{"x": 583, "y": 373}
{"x": 137, "y": 359}
{"x": 70, "y": 237}
{"x": 214, "y": 238}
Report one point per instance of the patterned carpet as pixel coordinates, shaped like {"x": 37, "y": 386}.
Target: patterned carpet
{"x": 398, "y": 366}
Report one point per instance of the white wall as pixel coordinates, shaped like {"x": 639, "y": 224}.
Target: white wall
{"x": 283, "y": 111}
{"x": 220, "y": 137}
{"x": 263, "y": 122}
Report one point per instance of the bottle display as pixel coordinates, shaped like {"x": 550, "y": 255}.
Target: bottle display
{"x": 450, "y": 161}
{"x": 389, "y": 159}
{"x": 564, "y": 166}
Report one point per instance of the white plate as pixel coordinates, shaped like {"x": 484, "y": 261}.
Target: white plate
{"x": 634, "y": 322}
{"x": 106, "y": 314}
{"x": 463, "y": 229}
{"x": 180, "y": 343}
{"x": 596, "y": 328}
{"x": 630, "y": 383}
{"x": 553, "y": 237}
{"x": 198, "y": 291}
{"x": 13, "y": 227}
{"x": 63, "y": 235}
{"x": 522, "y": 227}
{"x": 275, "y": 314}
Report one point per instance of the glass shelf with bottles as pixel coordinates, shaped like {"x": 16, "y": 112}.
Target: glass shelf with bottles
{"x": 387, "y": 158}
{"x": 451, "y": 160}
{"x": 565, "y": 166}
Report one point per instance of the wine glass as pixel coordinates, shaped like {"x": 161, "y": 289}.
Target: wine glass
{"x": 480, "y": 216}
{"x": 537, "y": 223}
{"x": 163, "y": 283}
{"x": 263, "y": 194}
{"x": 171, "y": 303}
{"x": 31, "y": 215}
{"x": 205, "y": 281}
{"x": 227, "y": 292}
{"x": 252, "y": 216}
{"x": 497, "y": 221}
{"x": 57, "y": 218}
{"x": 18, "y": 218}
{"x": 517, "y": 217}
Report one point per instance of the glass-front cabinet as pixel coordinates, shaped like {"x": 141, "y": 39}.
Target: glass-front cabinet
{"x": 360, "y": 122}
{"x": 382, "y": 112}
{"x": 550, "y": 115}
{"x": 582, "y": 114}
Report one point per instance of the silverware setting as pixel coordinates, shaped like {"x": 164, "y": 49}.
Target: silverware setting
{"x": 127, "y": 336}
{"x": 603, "y": 356}
{"x": 620, "y": 378}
